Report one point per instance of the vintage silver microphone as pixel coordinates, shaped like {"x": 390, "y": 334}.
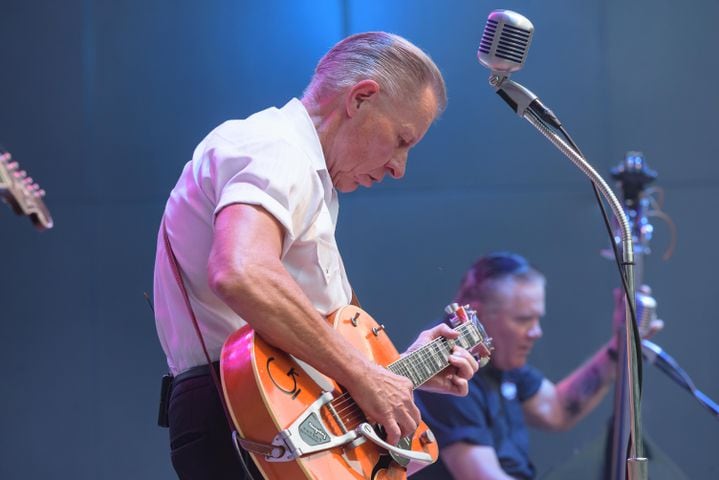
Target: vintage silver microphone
{"x": 505, "y": 42}
{"x": 503, "y": 49}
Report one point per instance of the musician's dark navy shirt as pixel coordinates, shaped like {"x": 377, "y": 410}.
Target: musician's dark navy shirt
{"x": 490, "y": 415}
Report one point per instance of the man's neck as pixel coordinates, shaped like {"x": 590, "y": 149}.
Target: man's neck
{"x": 326, "y": 116}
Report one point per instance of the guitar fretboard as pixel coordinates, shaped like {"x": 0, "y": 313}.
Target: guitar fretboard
{"x": 427, "y": 361}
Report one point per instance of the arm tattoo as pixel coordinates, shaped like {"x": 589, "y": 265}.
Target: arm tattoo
{"x": 588, "y": 381}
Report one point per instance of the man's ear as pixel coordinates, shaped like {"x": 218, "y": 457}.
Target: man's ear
{"x": 479, "y": 308}
{"x": 360, "y": 93}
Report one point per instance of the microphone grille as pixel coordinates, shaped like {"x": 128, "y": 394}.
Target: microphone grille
{"x": 490, "y": 29}
{"x": 505, "y": 41}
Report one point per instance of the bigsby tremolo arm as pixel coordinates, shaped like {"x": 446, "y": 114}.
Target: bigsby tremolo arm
{"x": 308, "y": 434}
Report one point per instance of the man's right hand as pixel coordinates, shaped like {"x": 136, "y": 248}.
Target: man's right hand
{"x": 654, "y": 326}
{"x": 386, "y": 399}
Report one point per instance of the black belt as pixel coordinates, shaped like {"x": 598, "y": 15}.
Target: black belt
{"x": 197, "y": 371}
{"x": 168, "y": 382}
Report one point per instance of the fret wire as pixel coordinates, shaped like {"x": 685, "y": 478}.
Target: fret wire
{"x": 416, "y": 376}
{"x": 429, "y": 354}
{"x": 416, "y": 361}
{"x": 419, "y": 366}
{"x": 432, "y": 357}
{"x": 439, "y": 355}
{"x": 408, "y": 369}
{"x": 405, "y": 371}
{"x": 422, "y": 354}
{"x": 420, "y": 359}
{"x": 425, "y": 367}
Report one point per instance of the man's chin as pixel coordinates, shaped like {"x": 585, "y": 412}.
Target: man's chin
{"x": 347, "y": 187}
{"x": 510, "y": 365}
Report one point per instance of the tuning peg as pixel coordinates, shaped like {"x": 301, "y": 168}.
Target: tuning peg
{"x": 451, "y": 308}
{"x": 452, "y": 311}
{"x": 41, "y": 193}
{"x": 20, "y": 175}
{"x": 12, "y": 166}
{"x": 27, "y": 181}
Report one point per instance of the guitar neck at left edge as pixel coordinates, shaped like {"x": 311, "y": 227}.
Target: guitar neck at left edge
{"x": 23, "y": 194}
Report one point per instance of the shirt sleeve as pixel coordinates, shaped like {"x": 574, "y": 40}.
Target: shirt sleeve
{"x": 272, "y": 174}
{"x": 528, "y": 380}
{"x": 456, "y": 419}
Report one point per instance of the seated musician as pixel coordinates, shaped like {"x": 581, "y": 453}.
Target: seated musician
{"x": 484, "y": 435}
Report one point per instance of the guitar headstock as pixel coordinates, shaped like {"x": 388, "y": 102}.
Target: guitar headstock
{"x": 465, "y": 318}
{"x": 23, "y": 194}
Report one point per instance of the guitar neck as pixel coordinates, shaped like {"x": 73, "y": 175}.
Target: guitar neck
{"x": 427, "y": 361}
{"x": 22, "y": 193}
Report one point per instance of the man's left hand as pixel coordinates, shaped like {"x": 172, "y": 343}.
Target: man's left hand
{"x": 462, "y": 365}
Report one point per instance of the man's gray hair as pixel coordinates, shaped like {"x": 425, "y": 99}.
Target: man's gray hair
{"x": 396, "y": 64}
{"x": 483, "y": 279}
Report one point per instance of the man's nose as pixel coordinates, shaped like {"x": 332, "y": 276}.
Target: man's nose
{"x": 398, "y": 165}
{"x": 535, "y": 332}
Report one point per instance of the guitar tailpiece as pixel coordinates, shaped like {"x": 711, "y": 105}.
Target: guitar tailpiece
{"x": 308, "y": 434}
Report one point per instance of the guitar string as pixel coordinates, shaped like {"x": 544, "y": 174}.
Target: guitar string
{"x": 423, "y": 353}
{"x": 350, "y": 409}
{"x": 345, "y": 397}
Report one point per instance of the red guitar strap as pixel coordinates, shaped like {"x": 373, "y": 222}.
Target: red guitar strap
{"x": 181, "y": 284}
{"x": 246, "y": 444}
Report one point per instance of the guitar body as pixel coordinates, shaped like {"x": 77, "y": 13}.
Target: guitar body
{"x": 266, "y": 390}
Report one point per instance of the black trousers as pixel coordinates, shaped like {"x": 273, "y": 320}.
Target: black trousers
{"x": 200, "y": 438}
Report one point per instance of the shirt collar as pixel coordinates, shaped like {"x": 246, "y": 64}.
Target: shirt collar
{"x": 308, "y": 132}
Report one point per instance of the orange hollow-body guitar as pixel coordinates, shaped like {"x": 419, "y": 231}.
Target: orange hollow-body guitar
{"x": 306, "y": 425}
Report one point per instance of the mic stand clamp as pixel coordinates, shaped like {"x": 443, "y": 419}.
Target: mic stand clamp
{"x": 524, "y": 103}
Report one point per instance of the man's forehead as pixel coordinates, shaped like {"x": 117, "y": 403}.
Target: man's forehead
{"x": 423, "y": 116}
{"x": 511, "y": 290}
{"x": 420, "y": 106}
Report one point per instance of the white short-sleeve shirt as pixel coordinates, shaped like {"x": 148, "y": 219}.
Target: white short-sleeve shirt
{"x": 272, "y": 159}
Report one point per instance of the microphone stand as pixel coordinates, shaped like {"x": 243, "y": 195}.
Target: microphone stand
{"x": 527, "y": 105}
{"x": 633, "y": 175}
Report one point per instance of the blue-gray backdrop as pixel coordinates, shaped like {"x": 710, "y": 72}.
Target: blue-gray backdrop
{"x": 103, "y": 102}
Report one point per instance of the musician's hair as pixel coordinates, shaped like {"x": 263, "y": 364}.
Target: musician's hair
{"x": 401, "y": 68}
{"x": 481, "y": 281}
